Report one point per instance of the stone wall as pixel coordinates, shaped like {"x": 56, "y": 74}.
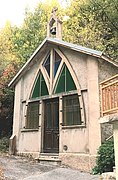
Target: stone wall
{"x": 82, "y": 162}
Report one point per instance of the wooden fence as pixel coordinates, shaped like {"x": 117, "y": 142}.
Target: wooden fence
{"x": 109, "y": 96}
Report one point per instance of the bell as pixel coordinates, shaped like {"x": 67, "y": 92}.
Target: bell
{"x": 53, "y": 30}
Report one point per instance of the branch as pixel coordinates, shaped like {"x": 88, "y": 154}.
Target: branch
{"x": 106, "y": 15}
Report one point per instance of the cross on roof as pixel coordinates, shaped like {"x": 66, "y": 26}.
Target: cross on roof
{"x": 54, "y": 10}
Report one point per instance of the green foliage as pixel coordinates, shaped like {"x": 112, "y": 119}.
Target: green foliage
{"x": 6, "y": 100}
{"x": 105, "y": 160}
{"x": 4, "y": 144}
{"x": 33, "y": 31}
{"x": 93, "y": 24}
{"x": 27, "y": 38}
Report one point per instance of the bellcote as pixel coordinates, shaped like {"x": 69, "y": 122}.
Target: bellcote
{"x": 54, "y": 27}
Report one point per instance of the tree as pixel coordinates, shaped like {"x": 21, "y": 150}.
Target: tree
{"x": 94, "y": 24}
{"x": 8, "y": 67}
{"x": 7, "y": 55}
{"x": 6, "y": 101}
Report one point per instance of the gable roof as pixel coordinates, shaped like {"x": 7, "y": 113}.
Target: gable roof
{"x": 59, "y": 42}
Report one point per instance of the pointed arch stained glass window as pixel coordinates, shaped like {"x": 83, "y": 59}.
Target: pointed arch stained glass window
{"x": 47, "y": 64}
{"x": 57, "y": 60}
{"x": 65, "y": 82}
{"x": 40, "y": 88}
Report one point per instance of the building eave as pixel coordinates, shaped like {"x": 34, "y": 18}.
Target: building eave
{"x": 12, "y": 82}
{"x": 59, "y": 42}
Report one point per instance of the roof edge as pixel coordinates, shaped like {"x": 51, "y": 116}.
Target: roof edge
{"x": 71, "y": 46}
{"x": 27, "y": 63}
{"x": 109, "y": 60}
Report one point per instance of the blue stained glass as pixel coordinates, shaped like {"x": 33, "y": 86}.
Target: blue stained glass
{"x": 57, "y": 60}
{"x": 47, "y": 65}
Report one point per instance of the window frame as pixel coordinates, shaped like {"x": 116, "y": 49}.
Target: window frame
{"x": 70, "y": 107}
{"x": 29, "y": 123}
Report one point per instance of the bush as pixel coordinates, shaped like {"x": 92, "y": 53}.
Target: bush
{"x": 106, "y": 159}
{"x": 4, "y": 144}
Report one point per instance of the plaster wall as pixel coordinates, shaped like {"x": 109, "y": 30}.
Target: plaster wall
{"x": 17, "y": 113}
{"x": 86, "y": 69}
{"x": 25, "y": 141}
{"x": 106, "y": 70}
{"x": 29, "y": 142}
{"x": 27, "y": 83}
{"x": 28, "y": 80}
{"x": 78, "y": 62}
{"x": 93, "y": 105}
{"x": 75, "y": 139}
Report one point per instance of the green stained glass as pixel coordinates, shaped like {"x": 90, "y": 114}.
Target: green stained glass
{"x": 70, "y": 85}
{"x": 40, "y": 88}
{"x": 36, "y": 91}
{"x": 61, "y": 83}
{"x": 65, "y": 81}
{"x": 44, "y": 90}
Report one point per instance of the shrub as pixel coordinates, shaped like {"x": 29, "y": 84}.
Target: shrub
{"x": 106, "y": 159}
{"x": 4, "y": 144}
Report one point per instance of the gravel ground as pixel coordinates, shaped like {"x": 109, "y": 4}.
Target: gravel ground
{"x": 1, "y": 174}
{"x": 18, "y": 168}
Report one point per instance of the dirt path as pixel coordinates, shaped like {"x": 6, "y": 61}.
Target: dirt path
{"x": 17, "y": 168}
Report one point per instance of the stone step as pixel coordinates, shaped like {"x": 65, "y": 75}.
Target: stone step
{"x": 49, "y": 155}
{"x": 49, "y": 159}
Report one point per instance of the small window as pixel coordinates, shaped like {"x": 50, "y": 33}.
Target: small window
{"x": 57, "y": 60}
{"x": 32, "y": 118}
{"x": 71, "y": 110}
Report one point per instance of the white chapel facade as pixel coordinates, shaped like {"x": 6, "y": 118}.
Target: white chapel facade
{"x": 57, "y": 100}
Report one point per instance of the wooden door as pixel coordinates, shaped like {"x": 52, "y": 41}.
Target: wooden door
{"x": 51, "y": 126}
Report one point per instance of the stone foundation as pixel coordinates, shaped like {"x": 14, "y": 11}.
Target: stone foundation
{"x": 33, "y": 155}
{"x": 108, "y": 176}
{"x": 82, "y": 162}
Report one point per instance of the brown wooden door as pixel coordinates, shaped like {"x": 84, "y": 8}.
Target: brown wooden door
{"x": 51, "y": 126}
